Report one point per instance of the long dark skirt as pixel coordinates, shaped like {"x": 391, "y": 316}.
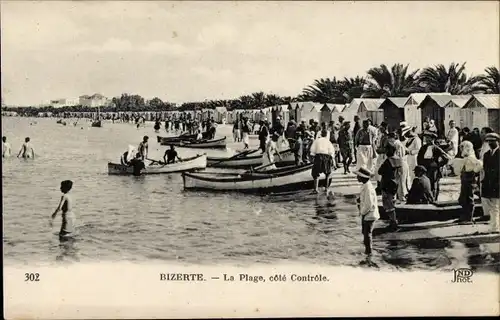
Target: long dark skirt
{"x": 466, "y": 197}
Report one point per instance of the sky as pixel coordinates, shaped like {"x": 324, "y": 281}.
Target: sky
{"x": 192, "y": 51}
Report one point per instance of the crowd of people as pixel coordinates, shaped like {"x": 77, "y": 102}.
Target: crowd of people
{"x": 407, "y": 165}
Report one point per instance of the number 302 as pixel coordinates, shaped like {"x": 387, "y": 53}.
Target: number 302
{"x": 32, "y": 277}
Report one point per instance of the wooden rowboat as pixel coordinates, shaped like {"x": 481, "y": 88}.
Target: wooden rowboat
{"x": 182, "y": 137}
{"x": 250, "y": 158}
{"x": 278, "y": 180}
{"x": 199, "y": 144}
{"x": 441, "y": 211}
{"x": 204, "y": 144}
{"x": 189, "y": 164}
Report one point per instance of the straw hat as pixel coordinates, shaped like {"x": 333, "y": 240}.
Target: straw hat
{"x": 404, "y": 127}
{"x": 363, "y": 172}
{"x": 492, "y": 137}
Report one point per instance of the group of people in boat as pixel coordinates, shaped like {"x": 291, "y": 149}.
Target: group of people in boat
{"x": 26, "y": 152}
{"x": 136, "y": 159}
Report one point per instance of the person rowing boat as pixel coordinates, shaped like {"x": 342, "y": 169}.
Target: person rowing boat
{"x": 170, "y": 156}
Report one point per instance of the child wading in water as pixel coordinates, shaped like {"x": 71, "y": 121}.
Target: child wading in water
{"x": 65, "y": 205}
{"x": 368, "y": 207}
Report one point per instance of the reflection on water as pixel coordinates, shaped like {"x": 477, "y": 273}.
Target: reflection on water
{"x": 151, "y": 218}
{"x": 68, "y": 250}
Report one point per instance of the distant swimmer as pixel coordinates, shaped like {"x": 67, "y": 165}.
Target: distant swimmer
{"x": 6, "y": 150}
{"x": 65, "y": 206}
{"x": 137, "y": 164}
{"x": 143, "y": 147}
{"x": 27, "y": 150}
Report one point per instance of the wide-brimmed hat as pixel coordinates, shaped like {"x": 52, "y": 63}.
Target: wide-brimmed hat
{"x": 492, "y": 137}
{"x": 404, "y": 127}
{"x": 420, "y": 168}
{"x": 363, "y": 172}
{"x": 428, "y": 133}
{"x": 410, "y": 133}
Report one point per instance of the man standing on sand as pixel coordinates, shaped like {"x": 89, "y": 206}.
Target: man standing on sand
{"x": 490, "y": 184}
{"x": 263, "y": 135}
{"x": 6, "y": 150}
{"x": 364, "y": 144}
{"x": 453, "y": 138}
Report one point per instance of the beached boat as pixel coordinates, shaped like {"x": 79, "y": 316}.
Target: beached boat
{"x": 440, "y": 211}
{"x": 182, "y": 137}
{"x": 276, "y": 180}
{"x": 250, "y": 158}
{"x": 204, "y": 144}
{"x": 189, "y": 164}
{"x": 199, "y": 144}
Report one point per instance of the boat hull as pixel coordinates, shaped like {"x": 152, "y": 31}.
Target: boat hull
{"x": 197, "y": 163}
{"x": 168, "y": 140}
{"x": 96, "y": 124}
{"x": 413, "y": 213}
{"x": 279, "y": 180}
{"x": 210, "y": 144}
{"x": 253, "y": 159}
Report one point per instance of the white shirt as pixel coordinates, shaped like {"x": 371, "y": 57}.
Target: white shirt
{"x": 452, "y": 136}
{"x": 484, "y": 148}
{"x": 200, "y": 136}
{"x": 322, "y": 146}
{"x": 6, "y": 150}
{"x": 368, "y": 205}
{"x": 429, "y": 152}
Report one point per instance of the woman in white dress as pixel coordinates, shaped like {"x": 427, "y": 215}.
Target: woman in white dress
{"x": 268, "y": 156}
{"x": 413, "y": 145}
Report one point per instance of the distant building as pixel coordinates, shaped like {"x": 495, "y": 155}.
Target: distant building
{"x": 67, "y": 102}
{"x": 95, "y": 100}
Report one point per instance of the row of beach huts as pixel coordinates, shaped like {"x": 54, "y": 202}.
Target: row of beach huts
{"x": 467, "y": 110}
{"x": 477, "y": 110}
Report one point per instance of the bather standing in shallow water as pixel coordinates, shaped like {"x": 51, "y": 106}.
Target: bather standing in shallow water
{"x": 65, "y": 206}
{"x": 27, "y": 150}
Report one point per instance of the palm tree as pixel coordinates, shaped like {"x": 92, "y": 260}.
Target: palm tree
{"x": 353, "y": 88}
{"x": 272, "y": 100}
{"x": 259, "y": 100}
{"x": 396, "y": 82}
{"x": 490, "y": 82}
{"x": 323, "y": 91}
{"x": 246, "y": 102}
{"x": 452, "y": 79}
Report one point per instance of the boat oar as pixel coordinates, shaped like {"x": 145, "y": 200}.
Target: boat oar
{"x": 154, "y": 161}
{"x": 256, "y": 169}
{"x": 236, "y": 156}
